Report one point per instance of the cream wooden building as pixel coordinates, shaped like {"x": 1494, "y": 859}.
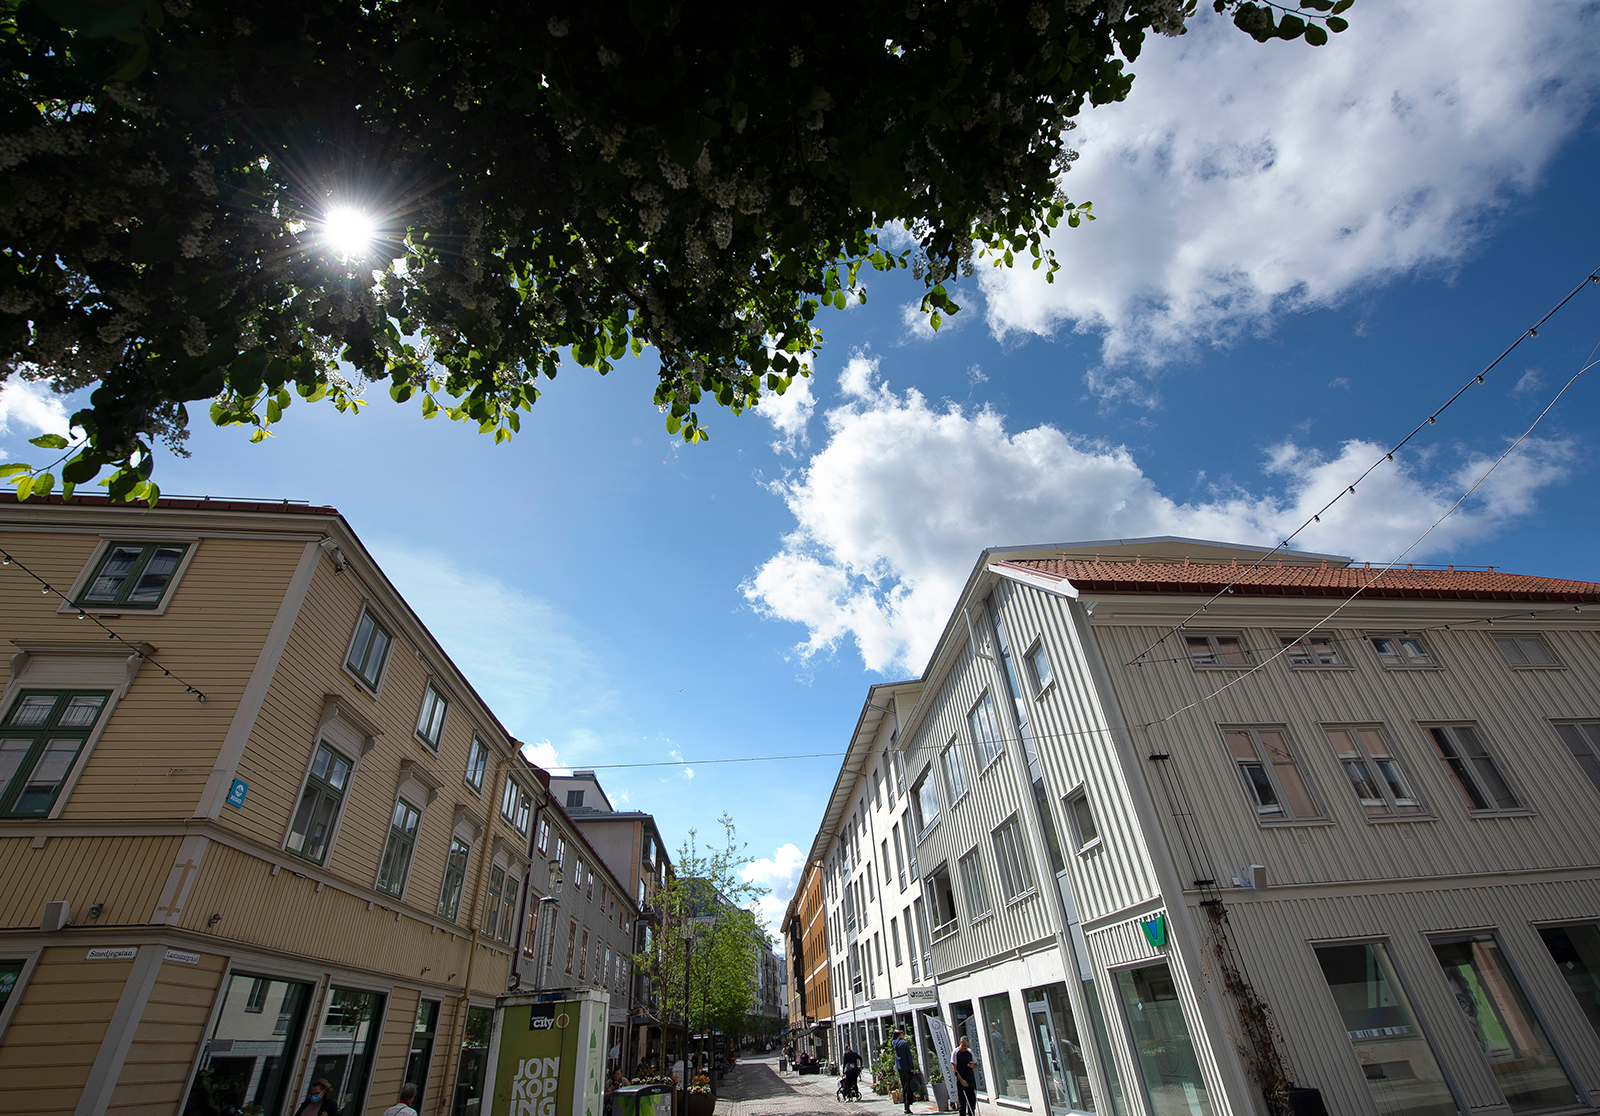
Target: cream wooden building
{"x": 1191, "y": 831}
{"x": 318, "y": 871}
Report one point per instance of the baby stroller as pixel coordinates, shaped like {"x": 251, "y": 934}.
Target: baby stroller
{"x": 848, "y": 1089}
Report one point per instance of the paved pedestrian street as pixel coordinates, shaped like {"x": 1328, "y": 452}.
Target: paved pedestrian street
{"x": 754, "y": 1087}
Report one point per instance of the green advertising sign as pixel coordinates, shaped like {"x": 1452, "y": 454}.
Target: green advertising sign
{"x": 550, "y": 1061}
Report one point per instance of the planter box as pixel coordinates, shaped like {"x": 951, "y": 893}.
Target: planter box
{"x": 701, "y": 1104}
{"x": 895, "y": 1095}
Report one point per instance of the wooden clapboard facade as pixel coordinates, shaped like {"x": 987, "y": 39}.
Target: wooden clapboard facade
{"x": 320, "y": 870}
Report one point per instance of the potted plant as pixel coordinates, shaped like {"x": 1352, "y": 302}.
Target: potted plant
{"x": 701, "y": 1101}
{"x": 884, "y": 1080}
{"x": 941, "y": 1095}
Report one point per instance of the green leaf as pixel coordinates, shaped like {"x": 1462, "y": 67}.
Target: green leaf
{"x": 24, "y": 488}
{"x": 1335, "y": 24}
{"x": 274, "y": 411}
{"x": 429, "y": 407}
{"x": 49, "y": 441}
{"x": 933, "y": 320}
{"x": 1342, "y": 6}
{"x": 258, "y": 435}
{"x": 1315, "y": 35}
{"x": 14, "y": 468}
{"x": 43, "y": 483}
{"x": 95, "y": 18}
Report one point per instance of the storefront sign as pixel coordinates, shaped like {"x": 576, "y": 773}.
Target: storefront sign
{"x": 880, "y": 1005}
{"x": 1155, "y": 930}
{"x": 237, "y": 792}
{"x": 548, "y": 1058}
{"x": 922, "y": 996}
{"x": 112, "y": 953}
{"x": 183, "y": 957}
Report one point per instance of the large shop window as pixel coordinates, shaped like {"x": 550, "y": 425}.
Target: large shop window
{"x": 248, "y": 1062}
{"x": 1395, "y": 1058}
{"x": 1510, "y": 1035}
{"x": 964, "y": 1023}
{"x": 1055, "y": 1041}
{"x": 474, "y": 1059}
{"x": 1005, "y": 1051}
{"x": 1167, "y": 1061}
{"x": 1575, "y": 950}
{"x": 346, "y": 1044}
{"x": 39, "y": 742}
{"x": 424, "y": 1030}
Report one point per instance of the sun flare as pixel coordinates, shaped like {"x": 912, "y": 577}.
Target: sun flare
{"x": 349, "y": 232}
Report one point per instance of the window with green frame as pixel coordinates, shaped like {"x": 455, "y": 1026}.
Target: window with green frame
{"x": 314, "y": 818}
{"x": 508, "y": 908}
{"x": 430, "y": 722}
{"x": 132, "y": 575}
{"x": 455, "y": 875}
{"x": 397, "y": 850}
{"x": 477, "y": 760}
{"x": 40, "y": 739}
{"x": 369, "y": 650}
{"x": 491, "y": 908}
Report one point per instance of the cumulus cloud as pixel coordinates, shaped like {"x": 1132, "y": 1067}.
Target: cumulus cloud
{"x": 780, "y": 875}
{"x": 543, "y": 753}
{"x": 893, "y": 511}
{"x": 1243, "y": 180}
{"x": 33, "y": 407}
{"x": 789, "y": 414}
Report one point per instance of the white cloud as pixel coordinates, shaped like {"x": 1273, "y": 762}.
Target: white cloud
{"x": 32, "y": 406}
{"x": 543, "y": 753}
{"x": 789, "y": 413}
{"x": 677, "y": 757}
{"x": 1242, "y": 180}
{"x": 894, "y": 510}
{"x": 780, "y": 874}
{"x": 919, "y": 326}
{"x": 1530, "y": 380}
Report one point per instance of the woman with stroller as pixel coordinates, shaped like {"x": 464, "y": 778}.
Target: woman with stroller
{"x": 848, "y": 1088}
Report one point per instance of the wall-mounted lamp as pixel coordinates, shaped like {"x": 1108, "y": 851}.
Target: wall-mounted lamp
{"x": 449, "y": 978}
{"x": 95, "y": 909}
{"x": 426, "y": 969}
{"x": 214, "y": 919}
{"x": 339, "y": 562}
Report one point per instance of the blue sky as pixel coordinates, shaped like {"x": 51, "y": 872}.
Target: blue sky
{"x": 1299, "y": 254}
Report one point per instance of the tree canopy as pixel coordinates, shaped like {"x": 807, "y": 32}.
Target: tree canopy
{"x": 185, "y": 185}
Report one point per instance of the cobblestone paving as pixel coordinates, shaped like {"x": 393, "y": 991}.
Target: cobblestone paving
{"x": 754, "y": 1087}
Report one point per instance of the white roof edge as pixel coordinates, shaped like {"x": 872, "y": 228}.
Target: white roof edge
{"x": 1001, "y": 552}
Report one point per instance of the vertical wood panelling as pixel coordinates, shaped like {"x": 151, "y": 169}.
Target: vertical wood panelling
{"x": 56, "y": 1031}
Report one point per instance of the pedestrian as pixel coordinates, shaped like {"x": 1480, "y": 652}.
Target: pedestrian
{"x": 966, "y": 1083}
{"x": 319, "y": 1101}
{"x": 905, "y": 1068}
{"x": 607, "y": 1104}
{"x": 408, "y": 1093}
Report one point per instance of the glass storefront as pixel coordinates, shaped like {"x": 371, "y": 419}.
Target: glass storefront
{"x": 474, "y": 1060}
{"x": 964, "y": 1022}
{"x": 1005, "y": 1050}
{"x": 1161, "y": 1040}
{"x": 1576, "y": 952}
{"x": 423, "y": 1031}
{"x": 1511, "y": 1037}
{"x": 1055, "y": 1042}
{"x": 247, "y": 1061}
{"x": 1401, "y": 1071}
{"x": 1102, "y": 1042}
{"x": 346, "y": 1043}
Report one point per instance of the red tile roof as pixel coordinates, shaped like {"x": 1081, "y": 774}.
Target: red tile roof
{"x": 1272, "y": 580}
{"x": 182, "y": 503}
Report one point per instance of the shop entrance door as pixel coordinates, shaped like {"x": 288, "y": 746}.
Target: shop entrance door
{"x": 1044, "y": 1043}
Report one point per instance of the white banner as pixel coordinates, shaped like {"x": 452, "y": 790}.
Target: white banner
{"x": 941, "y": 1045}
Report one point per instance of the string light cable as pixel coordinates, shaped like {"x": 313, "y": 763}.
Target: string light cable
{"x": 7, "y": 559}
{"x": 1349, "y": 490}
{"x": 1396, "y": 561}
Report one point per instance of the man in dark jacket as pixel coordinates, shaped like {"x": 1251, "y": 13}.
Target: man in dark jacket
{"x": 905, "y": 1068}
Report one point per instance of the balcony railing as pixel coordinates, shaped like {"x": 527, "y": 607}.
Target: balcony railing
{"x": 944, "y": 931}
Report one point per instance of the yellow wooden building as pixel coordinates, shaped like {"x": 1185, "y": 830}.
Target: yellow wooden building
{"x": 316, "y": 872}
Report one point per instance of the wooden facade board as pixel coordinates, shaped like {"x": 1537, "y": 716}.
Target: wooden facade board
{"x": 38, "y": 1035}
{"x": 124, "y": 873}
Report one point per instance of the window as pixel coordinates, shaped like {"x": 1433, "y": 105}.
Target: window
{"x": 1081, "y": 817}
{"x": 1039, "y": 667}
{"x": 368, "y": 651}
{"x": 583, "y": 954}
{"x": 1477, "y": 776}
{"x": 877, "y": 952}
{"x": 884, "y": 860}
{"x": 973, "y": 887}
{"x": 955, "y": 772}
{"x": 894, "y": 936}
{"x": 1525, "y": 651}
{"x": 515, "y": 805}
{"x": 430, "y": 723}
{"x": 39, "y": 742}
{"x": 1576, "y": 952}
{"x": 312, "y": 827}
{"x": 888, "y": 781}
{"x": 1228, "y": 651}
{"x": 1270, "y": 774}
{"x": 544, "y": 835}
{"x": 877, "y": 787}
{"x": 1011, "y": 854}
{"x": 397, "y": 850}
{"x": 477, "y": 760}
{"x": 1583, "y": 741}
{"x": 256, "y": 1001}
{"x": 985, "y": 731}
{"x": 899, "y": 857}
{"x": 1403, "y": 650}
{"x": 577, "y": 874}
{"x": 1166, "y": 1055}
{"x": 925, "y": 803}
{"x": 1005, "y": 1052}
{"x": 132, "y": 575}
{"x": 455, "y": 875}
{"x": 574, "y": 799}
{"x": 491, "y": 908}
{"x": 572, "y": 939}
{"x": 1390, "y": 1048}
{"x": 1508, "y": 1031}
{"x": 561, "y": 850}
{"x": 1379, "y": 782}
{"x": 1313, "y": 649}
{"x": 508, "y": 908}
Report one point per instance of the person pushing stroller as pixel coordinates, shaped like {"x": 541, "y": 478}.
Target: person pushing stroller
{"x": 848, "y": 1087}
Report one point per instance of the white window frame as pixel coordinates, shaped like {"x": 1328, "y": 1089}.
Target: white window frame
{"x": 1011, "y": 859}
{"x": 987, "y": 749}
{"x": 1586, "y": 733}
{"x": 1394, "y": 808}
{"x": 434, "y": 705}
{"x": 954, "y": 772}
{"x": 1304, "y": 645}
{"x": 1284, "y": 815}
{"x": 1212, "y": 639}
{"x": 1518, "y": 641}
{"x": 974, "y": 888}
{"x": 925, "y": 825}
{"x": 1032, "y": 657}
{"x": 1453, "y": 730}
{"x": 1400, "y": 660}
{"x": 516, "y": 803}
{"x": 191, "y": 543}
{"x": 1080, "y": 797}
{"x": 477, "y": 746}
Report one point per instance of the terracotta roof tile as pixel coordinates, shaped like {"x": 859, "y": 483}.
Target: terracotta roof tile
{"x": 1166, "y": 576}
